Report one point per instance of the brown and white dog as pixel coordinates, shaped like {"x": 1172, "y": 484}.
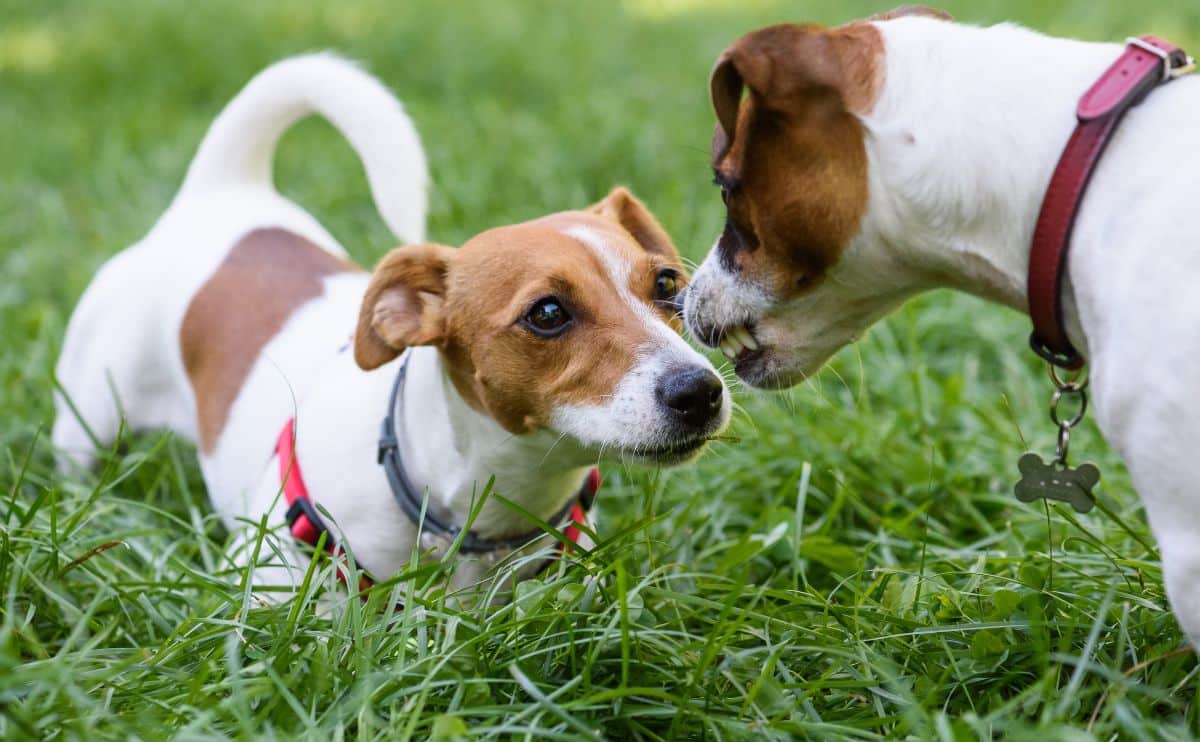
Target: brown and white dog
{"x": 531, "y": 351}
{"x": 875, "y": 160}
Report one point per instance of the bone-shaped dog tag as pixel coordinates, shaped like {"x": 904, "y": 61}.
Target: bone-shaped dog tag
{"x": 1056, "y": 482}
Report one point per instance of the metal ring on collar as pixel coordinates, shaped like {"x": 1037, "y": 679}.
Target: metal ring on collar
{"x": 1078, "y": 418}
{"x": 1076, "y": 381}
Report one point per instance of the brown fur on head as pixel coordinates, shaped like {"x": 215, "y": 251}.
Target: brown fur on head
{"x": 473, "y": 303}
{"x": 790, "y": 155}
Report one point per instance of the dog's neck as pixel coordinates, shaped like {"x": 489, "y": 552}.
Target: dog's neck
{"x": 962, "y": 144}
{"x": 453, "y": 450}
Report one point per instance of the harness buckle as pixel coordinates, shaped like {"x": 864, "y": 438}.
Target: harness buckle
{"x": 302, "y": 507}
{"x": 387, "y": 442}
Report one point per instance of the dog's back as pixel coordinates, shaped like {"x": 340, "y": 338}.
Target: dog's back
{"x": 124, "y": 356}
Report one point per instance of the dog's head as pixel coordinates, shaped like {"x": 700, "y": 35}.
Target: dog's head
{"x": 568, "y": 323}
{"x": 787, "y": 283}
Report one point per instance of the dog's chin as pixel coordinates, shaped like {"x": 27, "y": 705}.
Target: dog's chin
{"x": 755, "y": 367}
{"x": 668, "y": 454}
{"x": 769, "y": 369}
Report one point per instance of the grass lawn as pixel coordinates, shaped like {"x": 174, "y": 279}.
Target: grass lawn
{"x": 855, "y": 567}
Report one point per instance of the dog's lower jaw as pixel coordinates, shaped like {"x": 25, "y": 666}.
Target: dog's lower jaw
{"x": 761, "y": 371}
{"x": 767, "y": 369}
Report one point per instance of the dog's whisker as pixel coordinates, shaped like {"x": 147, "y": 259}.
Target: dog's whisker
{"x": 551, "y": 450}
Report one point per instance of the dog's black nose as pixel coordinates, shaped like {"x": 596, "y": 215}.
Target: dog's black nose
{"x": 694, "y": 394}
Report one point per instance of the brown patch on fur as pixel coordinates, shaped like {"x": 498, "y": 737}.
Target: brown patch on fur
{"x": 905, "y": 11}
{"x": 792, "y": 155}
{"x": 631, "y": 224}
{"x": 471, "y": 302}
{"x": 265, "y": 277}
{"x": 516, "y": 376}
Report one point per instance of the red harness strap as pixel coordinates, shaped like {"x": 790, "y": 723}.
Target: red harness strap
{"x": 302, "y": 517}
{"x": 582, "y": 505}
{"x": 307, "y": 526}
{"x": 1147, "y": 63}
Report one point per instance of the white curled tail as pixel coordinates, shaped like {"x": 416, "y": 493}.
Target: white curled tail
{"x": 239, "y": 148}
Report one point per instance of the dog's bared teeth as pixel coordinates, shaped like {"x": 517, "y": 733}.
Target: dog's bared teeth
{"x": 731, "y": 346}
{"x": 742, "y": 333}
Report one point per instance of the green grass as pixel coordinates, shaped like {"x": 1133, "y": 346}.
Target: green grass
{"x": 855, "y": 567}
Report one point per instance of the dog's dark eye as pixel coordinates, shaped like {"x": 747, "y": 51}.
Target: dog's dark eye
{"x": 547, "y": 317}
{"x": 666, "y": 285}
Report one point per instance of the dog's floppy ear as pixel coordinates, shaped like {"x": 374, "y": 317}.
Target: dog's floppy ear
{"x": 725, "y": 86}
{"x": 403, "y": 304}
{"x": 789, "y": 68}
{"x": 905, "y": 11}
{"x": 625, "y": 209}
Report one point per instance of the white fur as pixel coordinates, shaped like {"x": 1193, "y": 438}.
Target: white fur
{"x": 961, "y": 146}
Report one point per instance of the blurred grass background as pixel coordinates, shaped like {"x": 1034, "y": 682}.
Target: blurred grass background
{"x": 905, "y": 593}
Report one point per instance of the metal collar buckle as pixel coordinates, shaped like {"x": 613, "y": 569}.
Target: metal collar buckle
{"x": 1171, "y": 70}
{"x": 1186, "y": 68}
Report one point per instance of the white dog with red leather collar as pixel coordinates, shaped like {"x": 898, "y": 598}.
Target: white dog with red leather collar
{"x": 882, "y": 158}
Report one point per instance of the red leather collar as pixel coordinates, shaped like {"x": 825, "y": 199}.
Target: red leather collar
{"x": 1147, "y": 63}
{"x": 307, "y": 526}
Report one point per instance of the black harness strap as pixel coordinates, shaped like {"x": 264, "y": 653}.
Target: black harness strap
{"x": 407, "y": 497}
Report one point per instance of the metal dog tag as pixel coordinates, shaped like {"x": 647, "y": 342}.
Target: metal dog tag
{"x": 1056, "y": 481}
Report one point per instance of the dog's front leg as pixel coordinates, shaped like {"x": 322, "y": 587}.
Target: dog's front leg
{"x": 1156, "y": 429}
{"x": 261, "y": 548}
{"x": 266, "y": 559}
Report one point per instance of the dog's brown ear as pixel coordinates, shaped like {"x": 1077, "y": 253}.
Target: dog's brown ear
{"x": 725, "y": 87}
{"x": 403, "y": 304}
{"x": 625, "y": 209}
{"x": 905, "y": 11}
{"x": 789, "y": 68}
